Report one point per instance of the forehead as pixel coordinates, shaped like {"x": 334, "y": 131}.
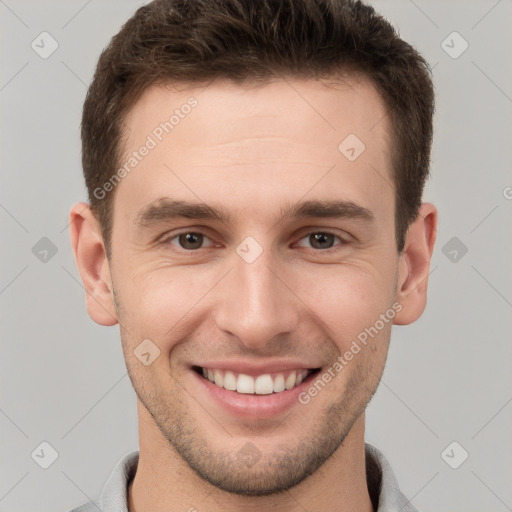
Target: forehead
{"x": 234, "y": 143}
{"x": 306, "y": 107}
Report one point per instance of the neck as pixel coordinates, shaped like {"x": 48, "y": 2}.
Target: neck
{"x": 165, "y": 483}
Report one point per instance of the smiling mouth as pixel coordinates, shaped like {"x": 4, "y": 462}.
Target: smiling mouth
{"x": 264, "y": 384}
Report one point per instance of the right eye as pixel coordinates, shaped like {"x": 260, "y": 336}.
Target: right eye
{"x": 188, "y": 240}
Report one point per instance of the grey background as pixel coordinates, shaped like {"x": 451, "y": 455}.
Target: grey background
{"x": 448, "y": 376}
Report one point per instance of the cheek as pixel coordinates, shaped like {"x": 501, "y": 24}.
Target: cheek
{"x": 157, "y": 302}
{"x": 346, "y": 299}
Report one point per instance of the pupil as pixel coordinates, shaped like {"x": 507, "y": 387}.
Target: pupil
{"x": 320, "y": 238}
{"x": 191, "y": 240}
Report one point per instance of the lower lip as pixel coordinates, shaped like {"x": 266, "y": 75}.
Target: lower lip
{"x": 252, "y": 406}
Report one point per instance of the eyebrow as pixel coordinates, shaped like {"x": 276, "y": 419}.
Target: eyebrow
{"x": 165, "y": 209}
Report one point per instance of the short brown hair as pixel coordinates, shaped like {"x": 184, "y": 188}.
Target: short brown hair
{"x": 201, "y": 40}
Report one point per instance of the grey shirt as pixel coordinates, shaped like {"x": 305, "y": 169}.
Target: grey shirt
{"x": 382, "y": 485}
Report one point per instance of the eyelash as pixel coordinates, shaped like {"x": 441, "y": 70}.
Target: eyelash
{"x": 167, "y": 241}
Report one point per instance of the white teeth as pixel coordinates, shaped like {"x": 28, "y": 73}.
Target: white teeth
{"x": 290, "y": 381}
{"x": 246, "y": 384}
{"x": 230, "y": 381}
{"x": 263, "y": 385}
{"x": 279, "y": 383}
{"x": 219, "y": 378}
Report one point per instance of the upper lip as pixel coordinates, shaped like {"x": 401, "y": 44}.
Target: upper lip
{"x": 269, "y": 366}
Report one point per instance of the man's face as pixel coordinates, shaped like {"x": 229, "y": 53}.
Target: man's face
{"x": 262, "y": 291}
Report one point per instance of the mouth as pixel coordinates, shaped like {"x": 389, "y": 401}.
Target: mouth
{"x": 262, "y": 384}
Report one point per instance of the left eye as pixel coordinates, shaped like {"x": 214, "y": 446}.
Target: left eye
{"x": 320, "y": 240}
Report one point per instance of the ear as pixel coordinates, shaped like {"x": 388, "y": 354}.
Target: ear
{"x": 92, "y": 263}
{"x": 414, "y": 265}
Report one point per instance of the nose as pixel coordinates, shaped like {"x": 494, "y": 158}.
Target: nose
{"x": 256, "y": 304}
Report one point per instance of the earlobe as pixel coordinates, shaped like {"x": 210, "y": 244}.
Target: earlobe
{"x": 93, "y": 266}
{"x": 414, "y": 265}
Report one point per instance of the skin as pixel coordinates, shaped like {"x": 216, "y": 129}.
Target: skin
{"x": 252, "y": 150}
